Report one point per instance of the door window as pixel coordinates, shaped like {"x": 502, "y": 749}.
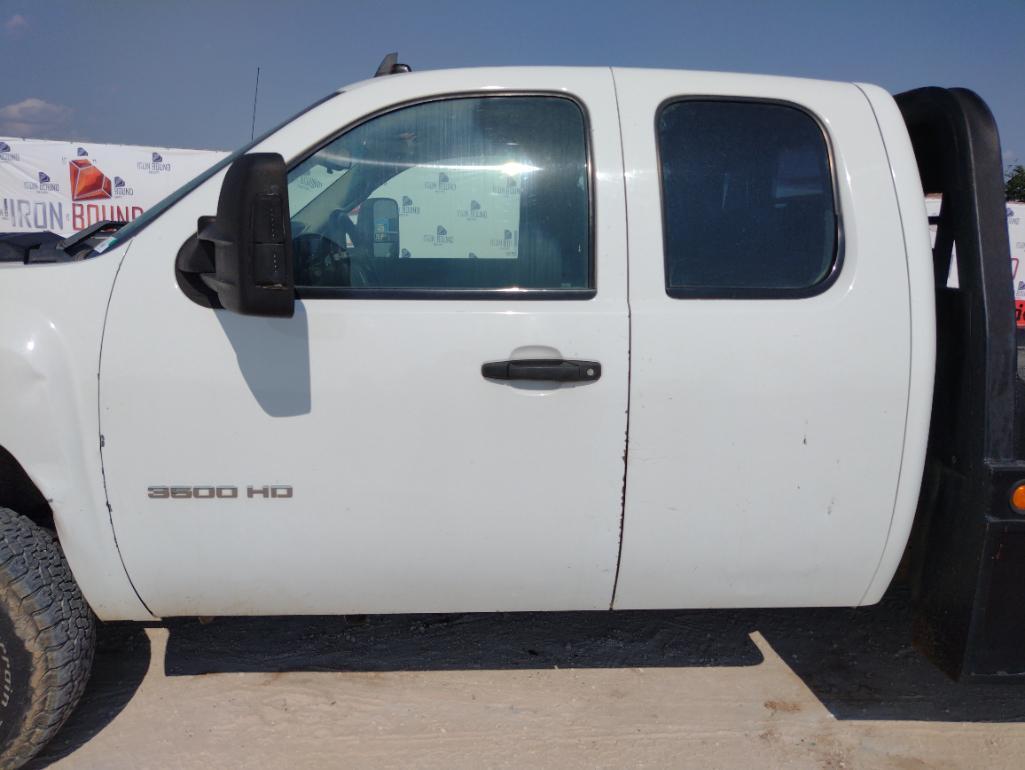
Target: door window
{"x": 484, "y": 196}
{"x": 747, "y": 200}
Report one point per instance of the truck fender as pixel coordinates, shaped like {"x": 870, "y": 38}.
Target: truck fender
{"x": 51, "y": 327}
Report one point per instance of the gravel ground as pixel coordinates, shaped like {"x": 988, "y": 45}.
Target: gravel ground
{"x": 779, "y": 688}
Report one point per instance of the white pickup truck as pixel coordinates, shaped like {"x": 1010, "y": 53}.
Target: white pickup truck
{"x": 524, "y": 339}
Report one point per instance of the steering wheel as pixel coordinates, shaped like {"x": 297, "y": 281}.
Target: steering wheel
{"x": 339, "y": 225}
{"x": 320, "y": 261}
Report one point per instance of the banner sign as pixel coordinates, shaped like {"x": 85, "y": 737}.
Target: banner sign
{"x": 66, "y": 186}
{"x": 1016, "y": 234}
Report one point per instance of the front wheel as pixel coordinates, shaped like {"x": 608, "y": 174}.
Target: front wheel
{"x": 47, "y": 636}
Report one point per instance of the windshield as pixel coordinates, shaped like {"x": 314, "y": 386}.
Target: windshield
{"x": 136, "y": 226}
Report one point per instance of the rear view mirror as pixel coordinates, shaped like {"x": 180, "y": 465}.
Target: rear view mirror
{"x": 241, "y": 259}
{"x": 378, "y": 224}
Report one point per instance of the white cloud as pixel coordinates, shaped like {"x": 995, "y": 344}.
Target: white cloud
{"x": 17, "y": 23}
{"x": 35, "y": 119}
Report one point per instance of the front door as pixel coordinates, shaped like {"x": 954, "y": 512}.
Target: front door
{"x": 355, "y": 458}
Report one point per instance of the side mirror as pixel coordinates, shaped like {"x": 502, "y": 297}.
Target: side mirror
{"x": 241, "y": 259}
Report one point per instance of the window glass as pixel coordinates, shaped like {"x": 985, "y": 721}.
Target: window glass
{"x": 462, "y": 194}
{"x": 747, "y": 199}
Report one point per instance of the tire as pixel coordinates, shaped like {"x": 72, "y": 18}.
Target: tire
{"x": 47, "y": 636}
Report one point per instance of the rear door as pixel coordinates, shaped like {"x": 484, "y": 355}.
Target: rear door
{"x": 770, "y": 341}
{"x": 442, "y": 222}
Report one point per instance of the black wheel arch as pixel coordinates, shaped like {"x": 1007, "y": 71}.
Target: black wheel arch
{"x": 19, "y": 493}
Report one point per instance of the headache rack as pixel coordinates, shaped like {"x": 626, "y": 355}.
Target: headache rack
{"x": 968, "y": 549}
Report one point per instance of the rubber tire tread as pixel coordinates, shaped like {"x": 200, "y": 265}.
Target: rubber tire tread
{"x": 54, "y": 624}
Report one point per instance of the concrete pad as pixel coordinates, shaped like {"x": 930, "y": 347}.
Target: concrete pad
{"x": 723, "y": 689}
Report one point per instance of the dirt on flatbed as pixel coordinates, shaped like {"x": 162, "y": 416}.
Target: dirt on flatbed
{"x": 709, "y": 689}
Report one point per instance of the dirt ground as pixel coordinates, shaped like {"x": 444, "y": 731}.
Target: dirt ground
{"x": 724, "y": 689}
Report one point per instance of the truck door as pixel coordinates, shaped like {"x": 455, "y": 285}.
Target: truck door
{"x": 386, "y": 449}
{"x": 770, "y": 342}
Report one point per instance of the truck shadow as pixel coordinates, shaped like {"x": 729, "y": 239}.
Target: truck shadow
{"x": 859, "y": 663}
{"x": 121, "y": 661}
{"x": 273, "y": 359}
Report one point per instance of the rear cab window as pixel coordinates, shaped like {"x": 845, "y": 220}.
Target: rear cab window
{"x": 748, "y": 200}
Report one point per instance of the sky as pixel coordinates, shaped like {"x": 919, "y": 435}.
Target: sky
{"x": 182, "y": 74}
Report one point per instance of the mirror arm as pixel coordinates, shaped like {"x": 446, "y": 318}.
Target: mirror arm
{"x": 200, "y": 257}
{"x": 194, "y": 263}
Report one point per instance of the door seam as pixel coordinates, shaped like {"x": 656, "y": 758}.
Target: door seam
{"x": 629, "y": 343}
{"x": 102, "y": 439}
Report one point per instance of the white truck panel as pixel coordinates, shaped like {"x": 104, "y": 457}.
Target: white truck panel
{"x": 418, "y": 485}
{"x": 52, "y": 317}
{"x": 765, "y": 435}
{"x": 922, "y": 303}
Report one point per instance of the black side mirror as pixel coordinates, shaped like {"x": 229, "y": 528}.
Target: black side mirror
{"x": 241, "y": 259}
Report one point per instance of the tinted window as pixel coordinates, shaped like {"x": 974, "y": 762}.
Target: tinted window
{"x": 747, "y": 199}
{"x": 463, "y": 194}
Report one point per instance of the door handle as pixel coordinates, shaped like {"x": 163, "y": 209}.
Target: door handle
{"x": 550, "y": 369}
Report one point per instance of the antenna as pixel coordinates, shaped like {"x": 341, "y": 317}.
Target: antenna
{"x": 256, "y": 95}
{"x": 390, "y": 66}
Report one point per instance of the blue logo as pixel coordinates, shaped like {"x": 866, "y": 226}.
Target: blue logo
{"x": 471, "y": 255}
{"x": 1010, "y": 212}
{"x": 440, "y": 236}
{"x": 506, "y": 188}
{"x": 408, "y": 207}
{"x": 121, "y": 188}
{"x": 156, "y": 164}
{"x": 441, "y": 185}
{"x": 6, "y": 153}
{"x": 80, "y": 152}
{"x": 404, "y": 254}
{"x": 507, "y": 242}
{"x": 474, "y": 212}
{"x": 4, "y": 147}
{"x": 43, "y": 185}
